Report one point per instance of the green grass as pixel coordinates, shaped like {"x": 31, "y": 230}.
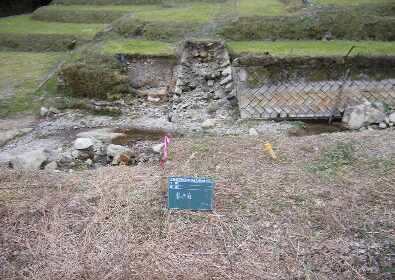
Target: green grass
{"x": 191, "y": 12}
{"x": 141, "y": 47}
{"x": 333, "y": 160}
{"x": 20, "y": 75}
{"x": 351, "y": 2}
{"x": 98, "y": 8}
{"x": 25, "y": 25}
{"x": 80, "y": 14}
{"x": 313, "y": 48}
{"x": 182, "y": 12}
{"x": 261, "y": 8}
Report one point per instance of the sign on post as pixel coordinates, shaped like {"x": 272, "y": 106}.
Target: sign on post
{"x": 188, "y": 193}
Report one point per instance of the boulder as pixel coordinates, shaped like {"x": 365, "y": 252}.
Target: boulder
{"x": 212, "y": 107}
{"x": 51, "y": 166}
{"x": 227, "y": 72}
{"x": 83, "y": 143}
{"x": 219, "y": 93}
{"x": 243, "y": 75}
{"x": 10, "y": 134}
{"x": 44, "y": 111}
{"x": 364, "y": 114}
{"x": 226, "y": 63}
{"x": 391, "y": 118}
{"x": 382, "y": 125}
{"x": 209, "y": 123}
{"x": 119, "y": 154}
{"x": 226, "y": 80}
{"x": 253, "y": 132}
{"x": 114, "y": 150}
{"x": 32, "y": 160}
{"x": 229, "y": 87}
{"x": 89, "y": 162}
{"x": 157, "y": 148}
{"x": 83, "y": 154}
{"x": 153, "y": 99}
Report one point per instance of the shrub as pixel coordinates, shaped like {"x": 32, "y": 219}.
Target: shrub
{"x": 96, "y": 77}
{"x": 333, "y": 160}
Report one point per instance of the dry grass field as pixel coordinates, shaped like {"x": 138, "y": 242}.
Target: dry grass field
{"x": 323, "y": 210}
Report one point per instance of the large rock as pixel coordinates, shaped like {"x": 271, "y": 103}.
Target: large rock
{"x": 10, "y": 134}
{"x": 119, "y": 154}
{"x": 51, "y": 166}
{"x": 209, "y": 123}
{"x": 391, "y": 117}
{"x": 44, "y": 111}
{"x": 106, "y": 135}
{"x": 358, "y": 116}
{"x": 158, "y": 148}
{"x": 226, "y": 80}
{"x": 33, "y": 160}
{"x": 253, "y": 132}
{"x": 83, "y": 143}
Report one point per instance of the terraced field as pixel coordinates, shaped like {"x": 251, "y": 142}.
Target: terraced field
{"x": 350, "y": 2}
{"x": 20, "y": 74}
{"x": 153, "y": 27}
{"x": 313, "y": 48}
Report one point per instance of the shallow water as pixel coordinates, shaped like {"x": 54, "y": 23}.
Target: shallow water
{"x": 315, "y": 128}
{"x": 135, "y": 135}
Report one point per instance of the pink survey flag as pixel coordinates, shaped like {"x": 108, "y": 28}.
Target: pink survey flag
{"x": 166, "y": 142}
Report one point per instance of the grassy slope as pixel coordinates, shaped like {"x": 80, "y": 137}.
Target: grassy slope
{"x": 313, "y": 48}
{"x": 25, "y": 25}
{"x": 20, "y": 74}
{"x": 184, "y": 12}
{"x": 262, "y": 8}
{"x": 142, "y": 47}
{"x": 351, "y": 2}
{"x": 191, "y": 12}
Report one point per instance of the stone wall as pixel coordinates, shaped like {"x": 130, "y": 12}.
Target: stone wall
{"x": 204, "y": 84}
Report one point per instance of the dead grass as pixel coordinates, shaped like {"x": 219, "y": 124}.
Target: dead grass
{"x": 272, "y": 220}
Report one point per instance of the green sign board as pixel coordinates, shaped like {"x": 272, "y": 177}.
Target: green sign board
{"x": 188, "y": 193}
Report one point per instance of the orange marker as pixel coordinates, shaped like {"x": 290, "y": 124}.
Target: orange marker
{"x": 269, "y": 149}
